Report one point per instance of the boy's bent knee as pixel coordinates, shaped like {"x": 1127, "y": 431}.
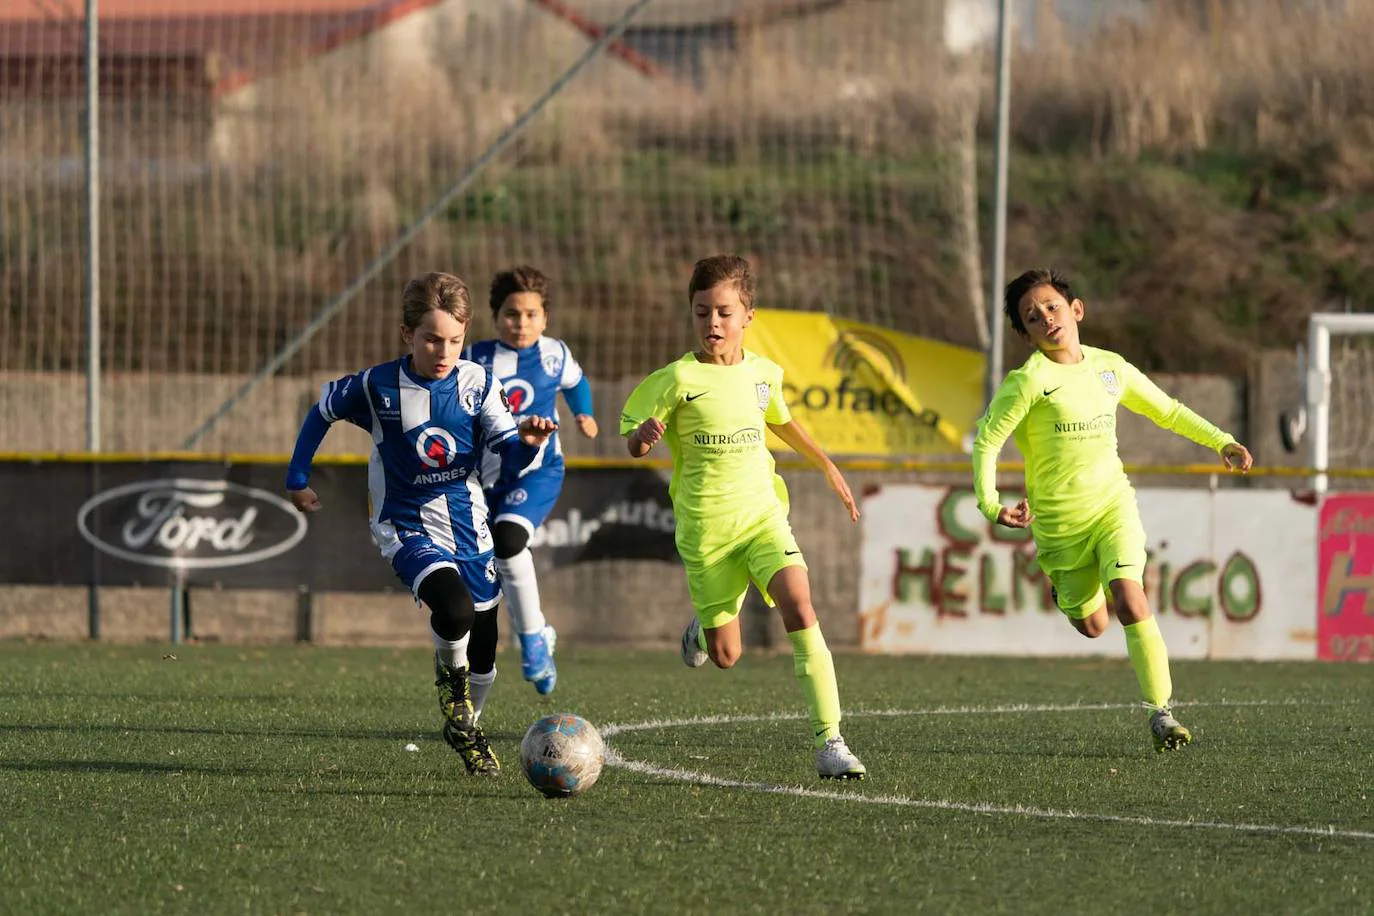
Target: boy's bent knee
{"x": 1092, "y": 626}
{"x": 797, "y": 615}
{"x": 723, "y": 657}
{"x": 451, "y": 609}
{"x": 508, "y": 539}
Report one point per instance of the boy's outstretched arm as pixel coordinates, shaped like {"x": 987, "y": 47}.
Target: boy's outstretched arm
{"x": 1008, "y": 408}
{"x": 519, "y": 451}
{"x": 647, "y": 412}
{"x": 800, "y": 441}
{"x": 298, "y": 489}
{"x": 343, "y": 399}
{"x": 579, "y": 401}
{"x": 1144, "y": 397}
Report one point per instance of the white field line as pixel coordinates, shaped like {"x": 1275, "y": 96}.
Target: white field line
{"x": 616, "y": 759}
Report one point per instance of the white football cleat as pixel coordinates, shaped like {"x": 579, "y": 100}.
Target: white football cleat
{"x": 1168, "y": 733}
{"x": 836, "y": 761}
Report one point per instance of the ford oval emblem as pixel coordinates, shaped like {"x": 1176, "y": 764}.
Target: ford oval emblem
{"x": 183, "y": 523}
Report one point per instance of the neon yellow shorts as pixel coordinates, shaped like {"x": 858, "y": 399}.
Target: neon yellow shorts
{"x": 718, "y": 584}
{"x": 1113, "y": 548}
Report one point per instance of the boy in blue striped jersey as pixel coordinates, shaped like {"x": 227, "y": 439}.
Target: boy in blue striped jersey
{"x": 533, "y": 369}
{"x": 433, "y": 416}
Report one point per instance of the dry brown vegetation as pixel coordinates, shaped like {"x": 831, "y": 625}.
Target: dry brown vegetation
{"x": 1207, "y": 172}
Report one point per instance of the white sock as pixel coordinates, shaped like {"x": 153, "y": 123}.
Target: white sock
{"x": 521, "y": 589}
{"x": 480, "y": 685}
{"x": 451, "y": 652}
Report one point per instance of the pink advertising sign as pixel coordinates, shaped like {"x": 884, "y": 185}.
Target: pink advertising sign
{"x": 1345, "y": 578}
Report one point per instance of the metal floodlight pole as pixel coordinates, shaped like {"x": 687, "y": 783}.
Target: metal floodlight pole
{"x": 92, "y": 266}
{"x": 326, "y": 314}
{"x": 996, "y": 321}
{"x": 92, "y": 278}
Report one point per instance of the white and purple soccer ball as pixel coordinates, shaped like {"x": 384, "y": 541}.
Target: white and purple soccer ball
{"x": 562, "y": 755}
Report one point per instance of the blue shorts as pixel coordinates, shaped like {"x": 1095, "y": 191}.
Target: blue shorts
{"x": 419, "y": 556}
{"x": 528, "y": 500}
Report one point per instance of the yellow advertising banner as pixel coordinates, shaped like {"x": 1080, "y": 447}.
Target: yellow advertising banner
{"x": 865, "y": 390}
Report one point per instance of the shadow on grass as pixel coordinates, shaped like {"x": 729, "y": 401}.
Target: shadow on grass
{"x": 266, "y": 731}
{"x": 468, "y": 786}
{"x": 427, "y": 731}
{"x": 129, "y": 766}
{"x": 30, "y": 696}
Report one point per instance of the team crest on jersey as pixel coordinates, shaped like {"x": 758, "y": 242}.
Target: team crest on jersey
{"x": 435, "y": 446}
{"x": 519, "y": 395}
{"x": 517, "y": 496}
{"x": 1110, "y": 381}
{"x": 467, "y": 399}
{"x": 491, "y": 570}
{"x": 553, "y": 365}
{"x": 765, "y": 394}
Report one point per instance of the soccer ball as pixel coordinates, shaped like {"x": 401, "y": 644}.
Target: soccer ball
{"x": 562, "y": 755}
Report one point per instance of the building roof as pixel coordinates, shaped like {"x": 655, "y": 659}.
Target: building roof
{"x": 234, "y": 40}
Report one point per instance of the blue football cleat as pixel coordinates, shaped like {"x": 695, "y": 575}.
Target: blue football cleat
{"x": 536, "y": 659}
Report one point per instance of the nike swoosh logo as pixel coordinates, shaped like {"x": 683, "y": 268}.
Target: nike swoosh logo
{"x": 1124, "y": 565}
{"x": 1050, "y": 391}
{"x": 790, "y": 553}
{"x": 693, "y": 397}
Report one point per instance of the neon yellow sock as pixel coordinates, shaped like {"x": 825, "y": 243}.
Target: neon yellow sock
{"x": 1150, "y": 659}
{"x": 701, "y": 639}
{"x": 815, "y": 668}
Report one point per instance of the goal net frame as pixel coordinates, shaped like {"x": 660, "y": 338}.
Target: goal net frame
{"x": 1312, "y": 421}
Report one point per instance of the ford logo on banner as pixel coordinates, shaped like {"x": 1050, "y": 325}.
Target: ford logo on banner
{"x": 183, "y": 523}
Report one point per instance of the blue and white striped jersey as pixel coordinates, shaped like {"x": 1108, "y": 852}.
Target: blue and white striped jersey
{"x": 428, "y": 438}
{"x": 532, "y": 377}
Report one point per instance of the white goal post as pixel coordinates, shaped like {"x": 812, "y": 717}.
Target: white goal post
{"x": 1313, "y": 420}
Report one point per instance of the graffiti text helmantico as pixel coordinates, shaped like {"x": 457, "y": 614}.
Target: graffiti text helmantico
{"x": 939, "y": 577}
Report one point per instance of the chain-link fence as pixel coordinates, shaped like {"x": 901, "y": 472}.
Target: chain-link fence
{"x": 259, "y": 156}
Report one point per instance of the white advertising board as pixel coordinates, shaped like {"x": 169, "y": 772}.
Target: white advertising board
{"x": 1231, "y": 575}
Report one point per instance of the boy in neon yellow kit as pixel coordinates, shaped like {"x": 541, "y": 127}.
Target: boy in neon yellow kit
{"x": 711, "y": 408}
{"x": 1080, "y": 506}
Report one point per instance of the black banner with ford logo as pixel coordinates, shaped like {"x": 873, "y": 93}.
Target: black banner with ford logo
{"x": 230, "y": 525}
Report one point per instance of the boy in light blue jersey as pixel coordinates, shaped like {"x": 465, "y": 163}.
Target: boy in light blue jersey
{"x": 1061, "y": 407}
{"x": 533, "y": 369}
{"x": 432, "y": 417}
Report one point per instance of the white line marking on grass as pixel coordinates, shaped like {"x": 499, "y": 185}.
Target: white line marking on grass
{"x": 614, "y": 758}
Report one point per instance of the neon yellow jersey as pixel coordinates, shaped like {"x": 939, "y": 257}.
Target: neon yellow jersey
{"x": 1064, "y": 421}
{"x": 723, "y": 482}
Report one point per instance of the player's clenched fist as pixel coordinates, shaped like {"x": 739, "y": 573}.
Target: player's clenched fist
{"x": 586, "y": 425}
{"x": 1017, "y": 516}
{"x": 304, "y": 500}
{"x": 1237, "y": 457}
{"x": 650, "y": 431}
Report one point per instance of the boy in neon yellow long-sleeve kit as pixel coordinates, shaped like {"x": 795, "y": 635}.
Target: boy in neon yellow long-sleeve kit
{"x": 1061, "y": 407}
{"x": 711, "y": 408}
